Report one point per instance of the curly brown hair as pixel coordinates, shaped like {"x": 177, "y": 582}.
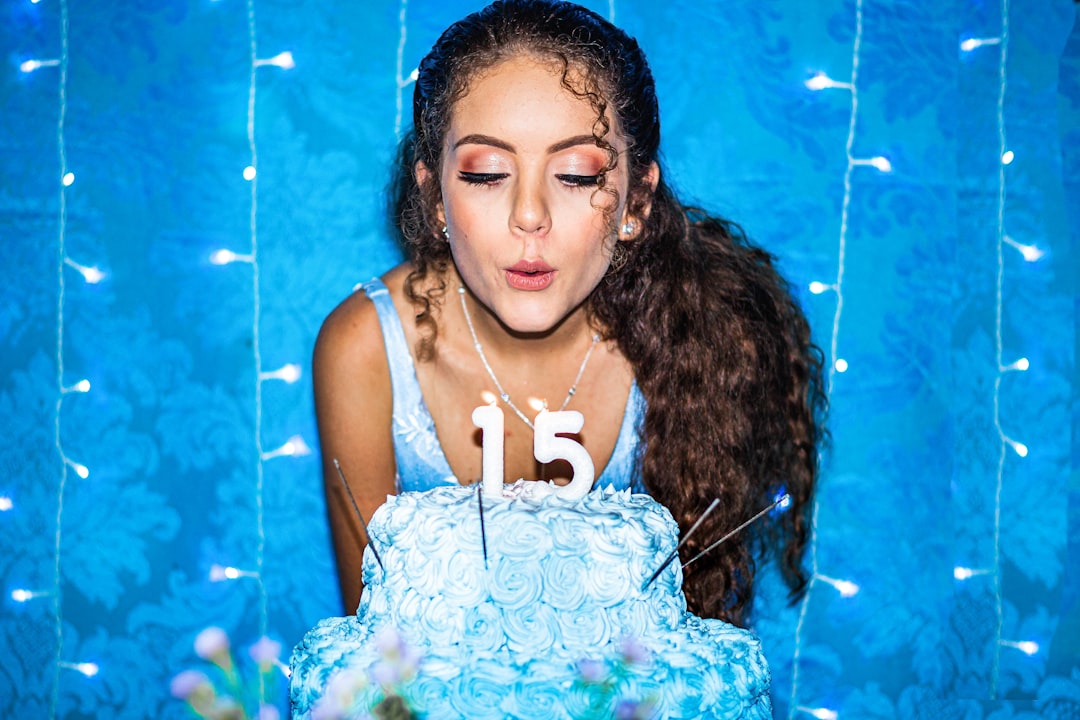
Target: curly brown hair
{"x": 720, "y": 349}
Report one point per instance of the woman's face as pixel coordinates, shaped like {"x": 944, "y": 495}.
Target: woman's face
{"x": 527, "y": 229}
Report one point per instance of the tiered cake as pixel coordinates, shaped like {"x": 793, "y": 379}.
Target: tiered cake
{"x": 553, "y": 623}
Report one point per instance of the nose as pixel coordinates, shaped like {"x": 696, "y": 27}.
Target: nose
{"x": 529, "y": 213}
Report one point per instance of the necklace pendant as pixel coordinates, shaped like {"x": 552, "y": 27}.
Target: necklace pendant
{"x": 505, "y": 397}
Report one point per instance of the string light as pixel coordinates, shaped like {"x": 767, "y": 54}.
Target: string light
{"x": 83, "y": 386}
{"x": 293, "y": 447}
{"x": 30, "y": 66}
{"x": 817, "y": 287}
{"x": 1017, "y": 447}
{"x": 250, "y": 173}
{"x": 220, "y": 573}
{"x": 88, "y": 669}
{"x": 1030, "y": 252}
{"x": 1007, "y": 157}
{"x": 224, "y": 257}
{"x": 90, "y": 274}
{"x": 21, "y": 595}
{"x": 1025, "y": 646}
{"x": 1005, "y": 442}
{"x": 260, "y": 526}
{"x": 282, "y": 60}
{"x": 965, "y": 573}
{"x": 846, "y": 588}
{"x": 879, "y": 162}
{"x": 289, "y": 373}
{"x": 820, "y": 713}
{"x": 972, "y": 43}
{"x": 1020, "y": 365}
{"x": 402, "y": 82}
{"x": 821, "y": 81}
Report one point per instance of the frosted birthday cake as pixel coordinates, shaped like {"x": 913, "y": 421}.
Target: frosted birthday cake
{"x": 555, "y": 622}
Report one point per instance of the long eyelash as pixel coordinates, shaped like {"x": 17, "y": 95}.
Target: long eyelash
{"x": 481, "y": 178}
{"x": 580, "y": 180}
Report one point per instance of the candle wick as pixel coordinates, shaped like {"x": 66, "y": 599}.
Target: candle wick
{"x": 675, "y": 552}
{"x": 782, "y": 499}
{"x": 483, "y": 533}
{"x": 359, "y": 515}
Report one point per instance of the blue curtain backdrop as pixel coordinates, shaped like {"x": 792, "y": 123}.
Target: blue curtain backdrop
{"x": 923, "y": 196}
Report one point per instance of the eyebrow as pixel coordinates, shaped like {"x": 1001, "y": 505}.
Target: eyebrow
{"x": 477, "y": 139}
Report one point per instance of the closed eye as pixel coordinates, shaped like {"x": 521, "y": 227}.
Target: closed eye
{"x": 579, "y": 180}
{"x": 482, "y": 178}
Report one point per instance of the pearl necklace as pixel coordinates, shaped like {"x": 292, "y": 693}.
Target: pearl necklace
{"x": 503, "y": 395}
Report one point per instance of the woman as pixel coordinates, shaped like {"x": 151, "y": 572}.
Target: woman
{"x": 549, "y": 261}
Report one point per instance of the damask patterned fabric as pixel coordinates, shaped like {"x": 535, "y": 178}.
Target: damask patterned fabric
{"x": 421, "y": 462}
{"x": 921, "y": 196}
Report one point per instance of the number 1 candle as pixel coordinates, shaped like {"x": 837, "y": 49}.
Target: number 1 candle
{"x": 489, "y": 419}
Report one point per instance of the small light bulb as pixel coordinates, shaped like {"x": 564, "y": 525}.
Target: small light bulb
{"x": 969, "y": 44}
{"x": 20, "y": 595}
{"x": 1031, "y": 253}
{"x": 824, "y": 714}
{"x": 1022, "y": 364}
{"x": 1007, "y": 157}
{"x": 81, "y": 470}
{"x": 222, "y": 257}
{"x": 847, "y": 588}
{"x": 232, "y": 573}
{"x": 5, "y": 503}
{"x": 962, "y": 573}
{"x": 817, "y": 287}
{"x": 881, "y": 163}
{"x": 83, "y": 386}
{"x": 414, "y": 75}
{"x": 249, "y": 173}
{"x": 1028, "y": 647}
{"x": 284, "y": 60}
{"x": 29, "y": 66}
{"x": 841, "y": 365}
{"x": 1018, "y": 447}
{"x": 92, "y": 275}
{"x": 296, "y": 446}
{"x": 87, "y": 669}
{"x": 68, "y": 179}
{"x": 820, "y": 81}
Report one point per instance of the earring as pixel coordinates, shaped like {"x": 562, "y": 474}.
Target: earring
{"x": 628, "y": 227}
{"x": 445, "y": 232}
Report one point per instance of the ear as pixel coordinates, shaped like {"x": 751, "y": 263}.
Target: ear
{"x": 423, "y": 175}
{"x": 652, "y": 179}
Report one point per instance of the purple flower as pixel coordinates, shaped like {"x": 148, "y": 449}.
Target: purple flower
{"x": 388, "y": 642}
{"x": 185, "y": 684}
{"x": 213, "y": 644}
{"x": 633, "y": 652}
{"x": 265, "y": 652}
{"x": 591, "y": 670}
{"x": 386, "y": 673}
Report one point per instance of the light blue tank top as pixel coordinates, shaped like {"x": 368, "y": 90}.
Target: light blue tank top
{"x": 421, "y": 463}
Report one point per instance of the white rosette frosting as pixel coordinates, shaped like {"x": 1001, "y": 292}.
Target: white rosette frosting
{"x": 562, "y": 584}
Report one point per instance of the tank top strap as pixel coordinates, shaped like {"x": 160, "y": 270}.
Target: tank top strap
{"x": 421, "y": 463}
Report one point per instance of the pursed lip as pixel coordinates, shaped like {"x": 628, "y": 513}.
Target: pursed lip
{"x": 530, "y": 275}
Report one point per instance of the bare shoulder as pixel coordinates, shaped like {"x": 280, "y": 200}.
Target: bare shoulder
{"x": 350, "y": 341}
